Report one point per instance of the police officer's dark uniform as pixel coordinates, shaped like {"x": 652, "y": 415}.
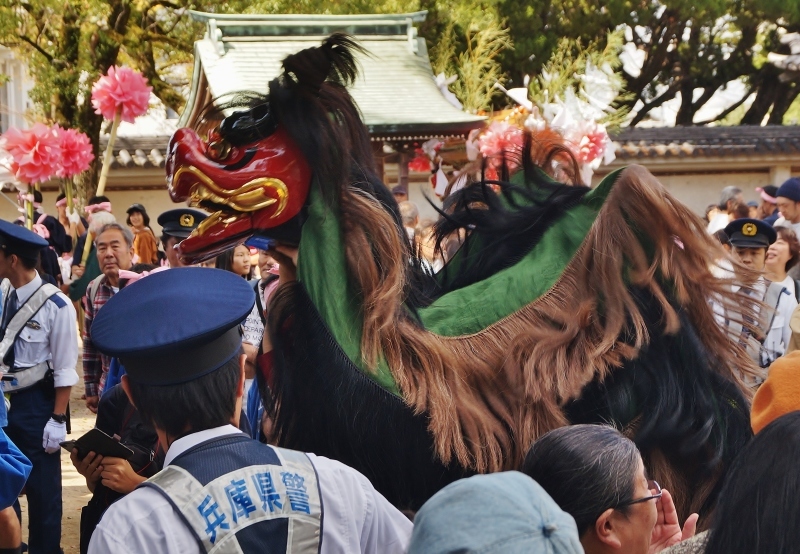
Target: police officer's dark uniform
{"x": 39, "y": 351}
{"x": 221, "y": 491}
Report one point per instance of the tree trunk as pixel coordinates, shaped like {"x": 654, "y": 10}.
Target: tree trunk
{"x": 86, "y": 183}
{"x": 686, "y": 112}
{"x": 765, "y": 97}
{"x": 784, "y": 98}
{"x": 658, "y": 58}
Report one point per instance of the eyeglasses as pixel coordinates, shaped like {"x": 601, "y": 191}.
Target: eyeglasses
{"x": 653, "y": 487}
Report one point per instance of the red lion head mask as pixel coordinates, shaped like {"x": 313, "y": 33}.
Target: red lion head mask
{"x": 248, "y": 173}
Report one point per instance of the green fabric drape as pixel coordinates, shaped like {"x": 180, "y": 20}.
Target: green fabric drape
{"x": 322, "y": 269}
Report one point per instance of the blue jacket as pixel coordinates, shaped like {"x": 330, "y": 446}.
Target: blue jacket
{"x": 14, "y": 471}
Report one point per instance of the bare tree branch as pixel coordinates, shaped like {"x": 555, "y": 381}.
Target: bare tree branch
{"x": 729, "y": 110}
{"x": 668, "y": 94}
{"x": 42, "y": 51}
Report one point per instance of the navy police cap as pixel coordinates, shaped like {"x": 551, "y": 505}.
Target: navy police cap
{"x": 180, "y": 222}
{"x": 750, "y": 233}
{"x": 174, "y": 326}
{"x": 16, "y": 239}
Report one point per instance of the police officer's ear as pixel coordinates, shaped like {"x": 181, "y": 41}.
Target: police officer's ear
{"x": 127, "y": 388}
{"x": 242, "y": 365}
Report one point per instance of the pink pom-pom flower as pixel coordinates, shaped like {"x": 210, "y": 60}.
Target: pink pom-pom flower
{"x": 591, "y": 146}
{"x": 36, "y": 152}
{"x": 121, "y": 87}
{"x": 500, "y": 143}
{"x": 76, "y": 152}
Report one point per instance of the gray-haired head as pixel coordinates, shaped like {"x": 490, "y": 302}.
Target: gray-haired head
{"x": 124, "y": 230}
{"x": 728, "y": 194}
{"x": 586, "y": 469}
{"x": 98, "y": 220}
{"x": 409, "y": 213}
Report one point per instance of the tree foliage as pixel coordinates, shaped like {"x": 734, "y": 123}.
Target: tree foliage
{"x": 476, "y": 67}
{"x": 68, "y": 44}
{"x": 572, "y": 58}
{"x": 690, "y": 48}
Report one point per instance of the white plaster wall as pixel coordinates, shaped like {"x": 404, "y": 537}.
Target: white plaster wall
{"x": 698, "y": 191}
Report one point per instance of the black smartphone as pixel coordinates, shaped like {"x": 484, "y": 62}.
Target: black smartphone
{"x": 100, "y": 443}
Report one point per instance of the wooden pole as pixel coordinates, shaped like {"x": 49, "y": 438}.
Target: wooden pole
{"x": 68, "y": 192}
{"x": 29, "y": 208}
{"x": 101, "y": 184}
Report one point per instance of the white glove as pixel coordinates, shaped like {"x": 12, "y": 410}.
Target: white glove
{"x": 54, "y": 434}
{"x": 72, "y": 215}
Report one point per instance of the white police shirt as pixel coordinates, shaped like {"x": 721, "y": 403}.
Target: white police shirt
{"x": 779, "y": 333}
{"x": 357, "y": 518}
{"x": 777, "y": 336}
{"x": 51, "y": 335}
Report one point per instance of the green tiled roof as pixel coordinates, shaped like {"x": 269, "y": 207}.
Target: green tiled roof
{"x": 395, "y": 90}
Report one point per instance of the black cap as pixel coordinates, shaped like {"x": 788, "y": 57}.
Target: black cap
{"x": 771, "y": 191}
{"x": 180, "y": 222}
{"x": 163, "y": 335}
{"x": 750, "y": 233}
{"x": 16, "y": 239}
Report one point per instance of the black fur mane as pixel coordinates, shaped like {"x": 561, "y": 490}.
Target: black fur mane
{"x": 499, "y": 227}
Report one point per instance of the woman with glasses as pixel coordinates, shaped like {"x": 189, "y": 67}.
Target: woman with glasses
{"x": 596, "y": 474}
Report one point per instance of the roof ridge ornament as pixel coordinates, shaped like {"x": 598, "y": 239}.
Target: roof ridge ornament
{"x": 215, "y": 35}
{"x": 411, "y": 32}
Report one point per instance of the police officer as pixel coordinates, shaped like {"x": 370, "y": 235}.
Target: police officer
{"x": 39, "y": 352}
{"x": 177, "y": 225}
{"x": 750, "y": 239}
{"x": 221, "y": 491}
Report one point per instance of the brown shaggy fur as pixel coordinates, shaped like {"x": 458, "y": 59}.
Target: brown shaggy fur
{"x": 491, "y": 394}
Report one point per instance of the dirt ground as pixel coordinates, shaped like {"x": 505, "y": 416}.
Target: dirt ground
{"x": 75, "y": 493}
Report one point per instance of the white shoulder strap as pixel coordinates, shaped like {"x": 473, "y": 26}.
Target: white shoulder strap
{"x": 772, "y": 298}
{"x": 23, "y": 315}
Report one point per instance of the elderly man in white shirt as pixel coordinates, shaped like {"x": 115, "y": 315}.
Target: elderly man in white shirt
{"x": 220, "y": 491}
